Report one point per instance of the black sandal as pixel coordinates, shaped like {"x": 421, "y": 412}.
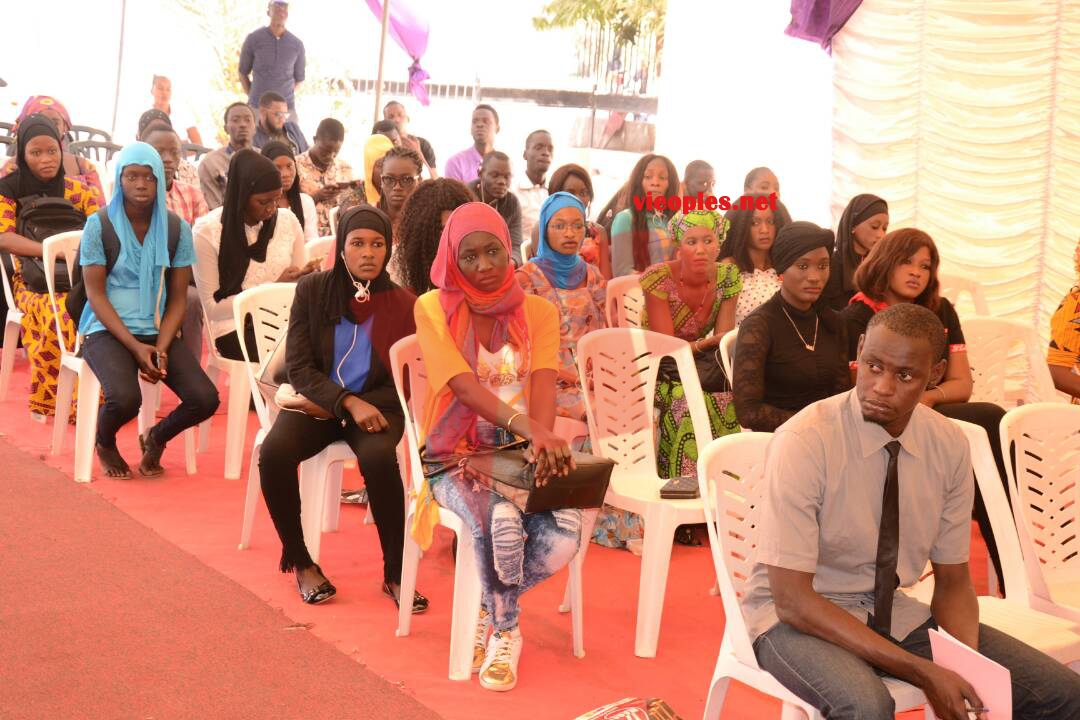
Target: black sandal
{"x": 317, "y": 595}
{"x": 685, "y": 535}
{"x": 150, "y": 464}
{"x": 419, "y": 604}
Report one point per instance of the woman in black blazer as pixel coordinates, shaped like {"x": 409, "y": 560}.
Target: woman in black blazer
{"x": 342, "y": 325}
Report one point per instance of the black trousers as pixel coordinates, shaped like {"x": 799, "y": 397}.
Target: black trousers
{"x": 229, "y": 345}
{"x": 118, "y": 373}
{"x": 296, "y": 437}
{"x": 988, "y": 417}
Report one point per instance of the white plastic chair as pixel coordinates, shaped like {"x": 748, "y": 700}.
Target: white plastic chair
{"x": 618, "y": 368}
{"x": 952, "y": 286}
{"x": 321, "y": 247}
{"x": 269, "y": 307}
{"x": 727, "y": 351}
{"x": 12, "y": 332}
{"x": 72, "y": 367}
{"x": 990, "y": 344}
{"x": 730, "y": 472}
{"x": 526, "y": 249}
{"x": 625, "y": 302}
{"x": 407, "y": 362}
{"x": 237, "y": 408}
{"x": 1045, "y": 487}
{"x": 333, "y": 221}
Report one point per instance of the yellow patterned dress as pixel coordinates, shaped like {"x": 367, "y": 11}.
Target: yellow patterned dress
{"x": 1064, "y": 349}
{"x": 39, "y": 321}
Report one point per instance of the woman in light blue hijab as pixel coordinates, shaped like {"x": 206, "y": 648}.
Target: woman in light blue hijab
{"x": 560, "y": 275}
{"x": 136, "y": 260}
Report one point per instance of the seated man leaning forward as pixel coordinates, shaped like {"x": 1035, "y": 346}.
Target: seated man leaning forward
{"x": 860, "y": 490}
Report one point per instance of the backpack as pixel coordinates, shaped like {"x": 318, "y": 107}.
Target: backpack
{"x": 39, "y": 218}
{"x": 110, "y": 241}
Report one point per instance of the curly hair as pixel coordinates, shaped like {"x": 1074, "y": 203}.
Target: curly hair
{"x": 420, "y": 228}
{"x": 400, "y": 151}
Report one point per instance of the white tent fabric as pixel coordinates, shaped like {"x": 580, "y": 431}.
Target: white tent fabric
{"x": 965, "y": 117}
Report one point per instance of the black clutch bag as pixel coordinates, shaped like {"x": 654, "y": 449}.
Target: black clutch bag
{"x": 680, "y": 488}
{"x": 506, "y": 472}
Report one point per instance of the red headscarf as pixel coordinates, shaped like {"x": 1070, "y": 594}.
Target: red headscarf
{"x": 39, "y": 103}
{"x": 451, "y": 421}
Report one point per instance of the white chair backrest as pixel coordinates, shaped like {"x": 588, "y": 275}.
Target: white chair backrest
{"x": 8, "y": 295}
{"x": 333, "y": 220}
{"x": 952, "y": 286}
{"x": 618, "y": 368}
{"x": 268, "y": 306}
{"x": 730, "y": 471}
{"x": 526, "y": 249}
{"x": 66, "y": 244}
{"x": 407, "y": 362}
{"x": 1046, "y": 489}
{"x": 1001, "y": 350}
{"x": 1014, "y": 584}
{"x": 320, "y": 247}
{"x": 625, "y": 302}
{"x": 727, "y": 351}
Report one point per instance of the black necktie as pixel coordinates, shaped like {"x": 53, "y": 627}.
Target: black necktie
{"x": 888, "y": 547}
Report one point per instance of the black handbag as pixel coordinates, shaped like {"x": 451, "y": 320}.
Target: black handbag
{"x": 505, "y": 471}
{"x": 709, "y": 369}
{"x": 40, "y": 218}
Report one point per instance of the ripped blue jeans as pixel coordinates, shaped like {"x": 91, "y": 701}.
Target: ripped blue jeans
{"x": 514, "y": 550}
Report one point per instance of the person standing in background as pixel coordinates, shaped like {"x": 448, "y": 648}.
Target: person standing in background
{"x": 465, "y": 166}
{"x": 531, "y": 190}
{"x": 395, "y": 113}
{"x": 272, "y": 60}
{"x": 161, "y": 89}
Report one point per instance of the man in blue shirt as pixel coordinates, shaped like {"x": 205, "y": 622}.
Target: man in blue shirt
{"x": 272, "y": 59}
{"x": 274, "y": 124}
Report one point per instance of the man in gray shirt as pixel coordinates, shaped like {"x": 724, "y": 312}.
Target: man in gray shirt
{"x": 272, "y": 60}
{"x": 214, "y": 168}
{"x": 861, "y": 489}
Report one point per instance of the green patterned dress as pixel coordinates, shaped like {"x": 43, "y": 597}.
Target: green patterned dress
{"x": 677, "y": 452}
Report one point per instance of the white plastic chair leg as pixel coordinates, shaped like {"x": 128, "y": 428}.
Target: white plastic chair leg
{"x": 714, "y": 703}
{"x": 574, "y": 586}
{"x": 86, "y": 424}
{"x": 652, "y": 585}
{"x": 236, "y": 422}
{"x": 189, "y": 451}
{"x": 369, "y": 518}
{"x": 251, "y": 497}
{"x": 332, "y": 510}
{"x": 466, "y": 609}
{"x": 312, "y": 486}
{"x": 213, "y": 372}
{"x": 588, "y": 522}
{"x": 65, "y": 388}
{"x": 410, "y": 565}
{"x": 7, "y": 362}
{"x": 792, "y": 712}
{"x": 151, "y": 398}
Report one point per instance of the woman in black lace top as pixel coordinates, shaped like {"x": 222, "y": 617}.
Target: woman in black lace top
{"x": 790, "y": 352}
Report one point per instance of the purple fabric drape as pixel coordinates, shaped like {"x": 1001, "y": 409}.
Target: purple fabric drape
{"x": 819, "y": 20}
{"x": 410, "y": 31}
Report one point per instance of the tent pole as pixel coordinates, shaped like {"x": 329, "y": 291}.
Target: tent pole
{"x": 119, "y": 66}
{"x": 382, "y": 51}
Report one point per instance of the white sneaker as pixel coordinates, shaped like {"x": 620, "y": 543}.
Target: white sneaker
{"x": 499, "y": 672}
{"x": 483, "y": 626}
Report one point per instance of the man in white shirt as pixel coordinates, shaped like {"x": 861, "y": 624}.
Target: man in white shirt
{"x": 531, "y": 189}
{"x": 861, "y": 489}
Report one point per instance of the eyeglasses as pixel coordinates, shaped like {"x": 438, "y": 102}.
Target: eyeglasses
{"x": 280, "y": 115}
{"x": 405, "y": 181}
{"x": 563, "y": 227}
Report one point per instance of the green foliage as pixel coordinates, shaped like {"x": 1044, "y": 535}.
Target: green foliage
{"x": 627, "y": 18}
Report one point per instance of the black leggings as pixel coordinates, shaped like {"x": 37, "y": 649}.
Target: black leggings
{"x": 296, "y": 437}
{"x": 988, "y": 417}
{"x": 118, "y": 373}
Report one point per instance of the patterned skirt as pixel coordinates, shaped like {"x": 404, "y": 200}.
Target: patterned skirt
{"x": 42, "y": 348}
{"x": 677, "y": 455}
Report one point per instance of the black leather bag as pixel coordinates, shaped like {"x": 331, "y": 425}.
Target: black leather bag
{"x": 506, "y": 472}
{"x": 709, "y": 369}
{"x": 39, "y": 218}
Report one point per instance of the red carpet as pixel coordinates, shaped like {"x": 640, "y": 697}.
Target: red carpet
{"x": 188, "y": 638}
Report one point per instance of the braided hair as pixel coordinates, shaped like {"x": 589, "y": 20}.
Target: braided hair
{"x": 420, "y": 228}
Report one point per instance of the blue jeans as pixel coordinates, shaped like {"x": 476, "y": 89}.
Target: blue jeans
{"x": 842, "y": 686}
{"x": 514, "y": 550}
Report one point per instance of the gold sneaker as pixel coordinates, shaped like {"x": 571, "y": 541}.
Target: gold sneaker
{"x": 479, "y": 651}
{"x": 499, "y": 672}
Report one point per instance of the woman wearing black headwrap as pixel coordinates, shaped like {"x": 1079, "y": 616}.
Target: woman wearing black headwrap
{"x": 39, "y": 172}
{"x": 246, "y": 242}
{"x": 864, "y": 222}
{"x": 790, "y": 352}
{"x": 301, "y": 204}
{"x": 342, "y": 325}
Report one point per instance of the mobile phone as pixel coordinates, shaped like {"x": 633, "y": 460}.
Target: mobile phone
{"x": 155, "y": 360}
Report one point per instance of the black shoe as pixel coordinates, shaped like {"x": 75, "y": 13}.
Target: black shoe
{"x": 419, "y": 604}
{"x": 317, "y": 595}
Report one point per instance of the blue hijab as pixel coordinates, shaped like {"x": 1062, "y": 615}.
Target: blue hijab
{"x": 153, "y": 254}
{"x": 562, "y": 271}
